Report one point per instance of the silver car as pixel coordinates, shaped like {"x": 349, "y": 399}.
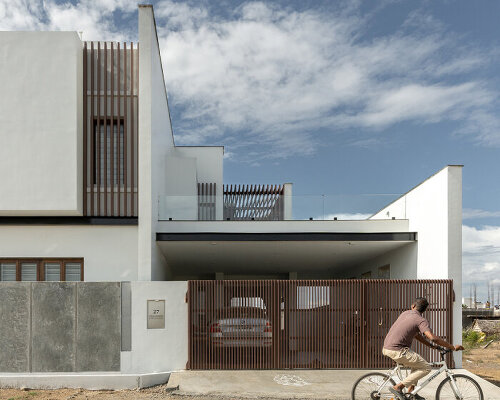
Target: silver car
{"x": 241, "y": 327}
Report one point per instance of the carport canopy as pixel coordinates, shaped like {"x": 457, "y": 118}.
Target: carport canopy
{"x": 195, "y": 255}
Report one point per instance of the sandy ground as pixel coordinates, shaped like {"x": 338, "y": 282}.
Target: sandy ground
{"x": 157, "y": 392}
{"x": 484, "y": 362}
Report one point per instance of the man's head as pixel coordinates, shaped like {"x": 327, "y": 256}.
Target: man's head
{"x": 420, "y": 304}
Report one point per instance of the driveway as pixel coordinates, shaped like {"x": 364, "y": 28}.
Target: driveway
{"x": 288, "y": 384}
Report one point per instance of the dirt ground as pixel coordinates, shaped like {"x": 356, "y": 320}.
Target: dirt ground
{"x": 484, "y": 362}
{"x": 157, "y": 392}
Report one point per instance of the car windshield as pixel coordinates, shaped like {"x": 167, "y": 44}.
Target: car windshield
{"x": 241, "y": 312}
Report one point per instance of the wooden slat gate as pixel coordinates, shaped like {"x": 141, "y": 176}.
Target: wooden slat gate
{"x": 272, "y": 324}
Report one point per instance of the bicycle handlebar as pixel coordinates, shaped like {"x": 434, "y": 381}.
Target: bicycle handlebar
{"x": 441, "y": 349}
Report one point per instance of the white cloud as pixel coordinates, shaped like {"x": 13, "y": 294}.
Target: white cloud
{"x": 470, "y": 213}
{"x": 95, "y": 18}
{"x": 274, "y": 76}
{"x": 267, "y": 77}
{"x": 344, "y": 216}
{"x": 481, "y": 258}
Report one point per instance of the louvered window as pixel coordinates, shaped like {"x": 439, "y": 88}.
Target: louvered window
{"x": 73, "y": 272}
{"x": 8, "y": 271}
{"x": 52, "y": 271}
{"x": 39, "y": 269}
{"x": 108, "y": 152}
{"x": 28, "y": 271}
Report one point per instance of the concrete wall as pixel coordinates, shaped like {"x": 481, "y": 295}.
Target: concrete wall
{"x": 158, "y": 349}
{"x": 434, "y": 211}
{"x": 155, "y": 145}
{"x": 41, "y": 123}
{"x": 109, "y": 252}
{"x": 60, "y": 326}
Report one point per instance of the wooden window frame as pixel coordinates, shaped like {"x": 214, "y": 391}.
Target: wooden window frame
{"x": 40, "y": 266}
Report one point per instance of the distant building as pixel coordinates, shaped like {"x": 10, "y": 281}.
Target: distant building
{"x": 468, "y": 302}
{"x": 486, "y": 326}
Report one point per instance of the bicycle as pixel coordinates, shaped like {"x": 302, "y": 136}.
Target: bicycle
{"x": 375, "y": 385}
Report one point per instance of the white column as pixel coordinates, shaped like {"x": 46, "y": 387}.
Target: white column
{"x": 287, "y": 204}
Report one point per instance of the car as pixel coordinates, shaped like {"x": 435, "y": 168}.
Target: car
{"x": 241, "y": 327}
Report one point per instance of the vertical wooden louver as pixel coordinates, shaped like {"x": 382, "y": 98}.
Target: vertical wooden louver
{"x": 110, "y": 131}
{"x": 207, "y": 199}
{"x": 306, "y": 324}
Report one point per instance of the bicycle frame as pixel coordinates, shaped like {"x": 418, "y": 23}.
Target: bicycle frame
{"x": 443, "y": 368}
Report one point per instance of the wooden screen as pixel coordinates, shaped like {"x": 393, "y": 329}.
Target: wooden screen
{"x": 254, "y": 202}
{"x": 110, "y": 130}
{"x": 271, "y": 324}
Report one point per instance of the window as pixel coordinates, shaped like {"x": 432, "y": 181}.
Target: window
{"x": 384, "y": 272}
{"x": 102, "y": 148}
{"x": 40, "y": 269}
{"x": 73, "y": 272}
{"x": 28, "y": 271}
{"x": 8, "y": 271}
{"x": 52, "y": 271}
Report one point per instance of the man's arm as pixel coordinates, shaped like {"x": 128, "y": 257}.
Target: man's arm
{"x": 422, "y": 340}
{"x": 436, "y": 339}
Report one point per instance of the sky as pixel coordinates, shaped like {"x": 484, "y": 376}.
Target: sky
{"x": 351, "y": 100}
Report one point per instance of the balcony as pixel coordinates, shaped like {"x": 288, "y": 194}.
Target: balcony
{"x": 267, "y": 203}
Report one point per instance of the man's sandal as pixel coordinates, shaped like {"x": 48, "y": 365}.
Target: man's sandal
{"x": 400, "y": 395}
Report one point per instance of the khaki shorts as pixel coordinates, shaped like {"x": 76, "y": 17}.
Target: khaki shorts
{"x": 408, "y": 358}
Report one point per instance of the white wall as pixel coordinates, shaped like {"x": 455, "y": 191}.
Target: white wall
{"x": 357, "y": 226}
{"x": 434, "y": 211}
{"x": 41, "y": 123}
{"x": 158, "y": 349}
{"x": 155, "y": 145}
{"x": 109, "y": 252}
{"x": 455, "y": 249}
{"x": 181, "y": 197}
{"x": 207, "y": 162}
{"x": 402, "y": 261}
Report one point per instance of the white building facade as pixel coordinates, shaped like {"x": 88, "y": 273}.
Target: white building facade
{"x": 94, "y": 189}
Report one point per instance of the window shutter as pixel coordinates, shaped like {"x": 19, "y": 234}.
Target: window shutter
{"x": 8, "y": 271}
{"x": 52, "y": 272}
{"x": 28, "y": 271}
{"x": 73, "y": 272}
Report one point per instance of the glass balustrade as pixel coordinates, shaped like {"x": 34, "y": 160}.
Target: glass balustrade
{"x": 273, "y": 208}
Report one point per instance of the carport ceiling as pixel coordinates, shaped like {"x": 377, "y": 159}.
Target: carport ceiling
{"x": 261, "y": 257}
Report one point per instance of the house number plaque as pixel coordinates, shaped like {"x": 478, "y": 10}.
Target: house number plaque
{"x": 156, "y": 314}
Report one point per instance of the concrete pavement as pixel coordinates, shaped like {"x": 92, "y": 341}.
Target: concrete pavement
{"x": 290, "y": 384}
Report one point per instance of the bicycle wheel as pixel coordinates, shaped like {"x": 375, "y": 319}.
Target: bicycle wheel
{"x": 366, "y": 387}
{"x": 468, "y": 387}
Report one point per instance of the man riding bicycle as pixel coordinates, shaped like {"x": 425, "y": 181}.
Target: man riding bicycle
{"x": 411, "y": 325}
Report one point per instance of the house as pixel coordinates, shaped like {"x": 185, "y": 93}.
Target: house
{"x": 486, "y": 326}
{"x": 141, "y": 248}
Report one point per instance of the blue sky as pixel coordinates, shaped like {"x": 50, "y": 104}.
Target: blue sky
{"x": 337, "y": 97}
